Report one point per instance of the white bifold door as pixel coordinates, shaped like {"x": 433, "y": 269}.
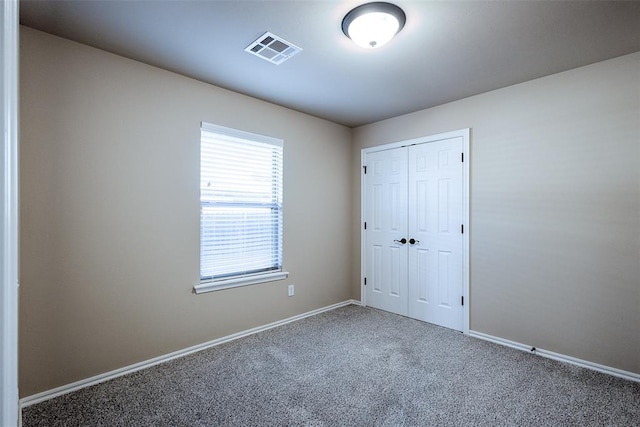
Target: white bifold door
{"x": 413, "y": 240}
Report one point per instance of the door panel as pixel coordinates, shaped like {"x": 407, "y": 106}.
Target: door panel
{"x": 435, "y": 194}
{"x": 422, "y": 275}
{"x": 386, "y": 211}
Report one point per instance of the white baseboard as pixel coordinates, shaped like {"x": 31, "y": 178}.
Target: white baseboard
{"x": 557, "y": 356}
{"x": 59, "y": 391}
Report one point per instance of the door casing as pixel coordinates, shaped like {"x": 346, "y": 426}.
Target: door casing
{"x": 465, "y": 134}
{"x": 9, "y": 60}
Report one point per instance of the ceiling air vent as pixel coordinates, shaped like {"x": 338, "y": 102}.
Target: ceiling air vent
{"x": 273, "y": 48}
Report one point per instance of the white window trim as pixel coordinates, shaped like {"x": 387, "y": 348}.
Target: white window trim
{"x": 253, "y": 279}
{"x": 218, "y": 285}
{"x": 234, "y": 133}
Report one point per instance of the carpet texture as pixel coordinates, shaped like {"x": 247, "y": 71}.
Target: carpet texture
{"x": 352, "y": 366}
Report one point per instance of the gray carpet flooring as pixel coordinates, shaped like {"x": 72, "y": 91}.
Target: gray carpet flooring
{"x": 352, "y": 366}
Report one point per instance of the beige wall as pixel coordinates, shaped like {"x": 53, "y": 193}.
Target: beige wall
{"x": 110, "y": 213}
{"x": 555, "y": 208}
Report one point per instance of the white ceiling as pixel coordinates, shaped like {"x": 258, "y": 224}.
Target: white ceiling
{"x": 447, "y": 50}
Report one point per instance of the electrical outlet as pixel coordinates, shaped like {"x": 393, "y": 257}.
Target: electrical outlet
{"x": 290, "y": 290}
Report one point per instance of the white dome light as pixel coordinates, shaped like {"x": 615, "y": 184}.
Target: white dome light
{"x": 372, "y": 25}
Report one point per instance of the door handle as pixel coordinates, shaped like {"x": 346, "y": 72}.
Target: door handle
{"x": 414, "y": 241}
{"x": 403, "y": 241}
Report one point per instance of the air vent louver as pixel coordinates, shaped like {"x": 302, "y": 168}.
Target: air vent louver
{"x": 272, "y": 48}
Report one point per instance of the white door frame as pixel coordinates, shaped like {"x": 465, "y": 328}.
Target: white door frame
{"x": 465, "y": 134}
{"x": 9, "y": 397}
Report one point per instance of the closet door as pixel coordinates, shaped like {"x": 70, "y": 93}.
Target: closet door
{"x": 386, "y": 221}
{"x": 413, "y": 242}
{"x": 435, "y": 218}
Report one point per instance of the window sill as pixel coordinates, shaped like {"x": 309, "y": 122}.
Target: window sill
{"x": 219, "y": 285}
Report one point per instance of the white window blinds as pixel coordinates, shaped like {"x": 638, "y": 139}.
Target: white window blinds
{"x": 240, "y": 203}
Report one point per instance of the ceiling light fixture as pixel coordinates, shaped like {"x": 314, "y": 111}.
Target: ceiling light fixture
{"x": 372, "y": 25}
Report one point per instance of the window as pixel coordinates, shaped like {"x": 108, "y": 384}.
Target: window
{"x": 240, "y": 208}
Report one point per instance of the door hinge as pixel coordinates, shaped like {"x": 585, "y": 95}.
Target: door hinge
{"x": 462, "y": 300}
{"x": 365, "y": 169}
{"x": 462, "y": 228}
{"x": 462, "y": 157}
{"x": 365, "y": 225}
{"x": 365, "y": 281}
